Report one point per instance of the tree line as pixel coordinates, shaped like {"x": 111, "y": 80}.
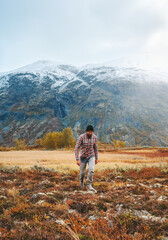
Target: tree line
{"x": 51, "y": 140}
{"x": 58, "y": 140}
{"x": 64, "y": 139}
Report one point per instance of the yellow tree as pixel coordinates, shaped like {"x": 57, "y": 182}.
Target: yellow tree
{"x": 68, "y": 137}
{"x": 19, "y": 144}
{"x": 60, "y": 143}
{"x": 57, "y": 138}
{"x": 118, "y": 144}
{"x": 38, "y": 143}
{"x": 48, "y": 141}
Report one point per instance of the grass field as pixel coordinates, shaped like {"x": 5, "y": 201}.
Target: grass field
{"x": 66, "y": 159}
{"x": 46, "y": 204}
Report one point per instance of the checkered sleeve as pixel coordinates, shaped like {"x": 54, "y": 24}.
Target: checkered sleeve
{"x": 96, "y": 148}
{"x": 77, "y": 147}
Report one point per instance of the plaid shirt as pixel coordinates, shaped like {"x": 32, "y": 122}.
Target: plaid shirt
{"x": 88, "y": 146}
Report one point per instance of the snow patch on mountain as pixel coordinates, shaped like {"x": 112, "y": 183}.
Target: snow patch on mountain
{"x": 45, "y": 67}
{"x": 4, "y": 82}
{"x": 77, "y": 83}
{"x": 62, "y": 75}
{"x": 39, "y": 71}
{"x": 128, "y": 67}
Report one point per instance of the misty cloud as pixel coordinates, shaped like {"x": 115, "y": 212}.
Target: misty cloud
{"x": 81, "y": 32}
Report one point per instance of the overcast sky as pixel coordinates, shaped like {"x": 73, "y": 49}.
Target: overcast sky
{"x": 83, "y": 31}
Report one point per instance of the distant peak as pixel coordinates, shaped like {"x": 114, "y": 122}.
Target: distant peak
{"x": 46, "y": 62}
{"x": 40, "y": 65}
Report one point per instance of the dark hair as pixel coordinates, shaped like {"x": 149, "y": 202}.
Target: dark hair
{"x": 89, "y": 128}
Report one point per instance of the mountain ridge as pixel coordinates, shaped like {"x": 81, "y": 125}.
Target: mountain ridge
{"x": 119, "y": 102}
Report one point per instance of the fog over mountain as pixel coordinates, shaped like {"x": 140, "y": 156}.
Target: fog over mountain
{"x": 122, "y": 101}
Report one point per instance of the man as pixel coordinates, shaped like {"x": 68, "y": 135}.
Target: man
{"x": 89, "y": 154}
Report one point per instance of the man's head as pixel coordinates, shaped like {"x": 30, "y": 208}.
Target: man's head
{"x": 89, "y": 131}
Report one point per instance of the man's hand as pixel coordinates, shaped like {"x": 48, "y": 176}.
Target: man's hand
{"x": 96, "y": 161}
{"x": 78, "y": 162}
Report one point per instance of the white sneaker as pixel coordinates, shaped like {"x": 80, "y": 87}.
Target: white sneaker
{"x": 89, "y": 187}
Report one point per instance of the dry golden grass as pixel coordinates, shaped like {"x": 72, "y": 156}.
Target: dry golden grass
{"x": 66, "y": 159}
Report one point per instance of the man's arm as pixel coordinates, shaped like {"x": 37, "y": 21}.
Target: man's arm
{"x": 77, "y": 147}
{"x": 96, "y": 151}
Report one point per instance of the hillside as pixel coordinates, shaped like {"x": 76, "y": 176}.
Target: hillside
{"x": 129, "y": 104}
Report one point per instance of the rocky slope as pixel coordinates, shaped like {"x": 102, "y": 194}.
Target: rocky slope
{"x": 129, "y": 104}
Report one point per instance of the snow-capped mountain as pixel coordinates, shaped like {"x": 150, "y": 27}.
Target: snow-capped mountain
{"x": 125, "y": 103}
